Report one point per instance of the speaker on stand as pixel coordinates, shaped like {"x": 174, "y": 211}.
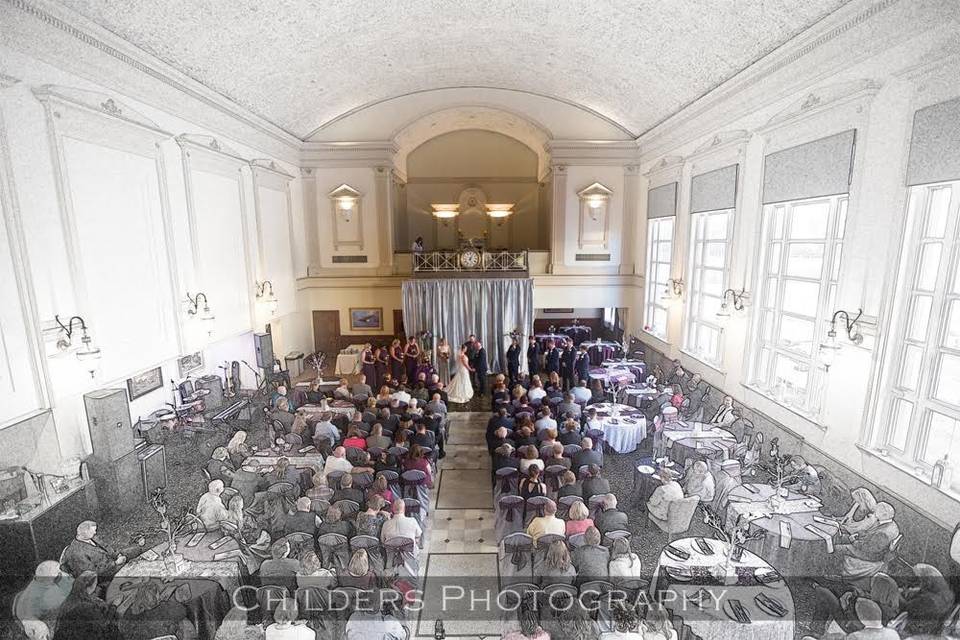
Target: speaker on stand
{"x": 213, "y": 384}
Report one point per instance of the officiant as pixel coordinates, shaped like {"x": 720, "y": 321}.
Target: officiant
{"x": 479, "y": 364}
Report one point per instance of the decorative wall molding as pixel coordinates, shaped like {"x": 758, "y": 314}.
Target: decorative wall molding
{"x": 594, "y": 218}
{"x": 667, "y": 170}
{"x": 267, "y": 165}
{"x": 347, "y": 154}
{"x": 347, "y": 221}
{"x": 822, "y": 99}
{"x": 203, "y": 142}
{"x": 93, "y": 102}
{"x": 593, "y": 152}
{"x": 7, "y": 81}
{"x": 720, "y": 141}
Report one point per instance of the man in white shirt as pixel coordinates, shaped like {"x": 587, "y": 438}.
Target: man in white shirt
{"x": 546, "y": 421}
{"x": 337, "y": 462}
{"x": 725, "y": 414}
{"x": 400, "y": 526}
{"x": 547, "y": 523}
{"x": 581, "y": 393}
{"x": 210, "y": 508}
{"x": 536, "y": 393}
{"x": 658, "y": 505}
{"x": 401, "y": 395}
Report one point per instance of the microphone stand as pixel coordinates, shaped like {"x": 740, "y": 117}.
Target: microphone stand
{"x": 257, "y": 377}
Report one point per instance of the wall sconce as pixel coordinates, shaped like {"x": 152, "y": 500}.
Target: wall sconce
{"x": 594, "y": 199}
{"x": 346, "y": 201}
{"x": 499, "y": 212}
{"x": 736, "y": 303}
{"x": 205, "y": 315}
{"x": 445, "y": 212}
{"x": 674, "y": 289}
{"x": 830, "y": 348}
{"x": 87, "y": 354}
{"x": 266, "y": 297}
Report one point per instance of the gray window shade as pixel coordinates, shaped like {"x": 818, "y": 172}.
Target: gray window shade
{"x": 714, "y": 190}
{"x": 935, "y": 144}
{"x": 819, "y": 168}
{"x": 662, "y": 201}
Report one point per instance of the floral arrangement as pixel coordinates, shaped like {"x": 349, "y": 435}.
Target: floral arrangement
{"x": 735, "y": 538}
{"x": 170, "y": 526}
{"x": 777, "y": 468}
{"x": 515, "y": 334}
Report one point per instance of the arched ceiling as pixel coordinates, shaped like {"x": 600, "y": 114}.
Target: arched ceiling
{"x": 302, "y": 63}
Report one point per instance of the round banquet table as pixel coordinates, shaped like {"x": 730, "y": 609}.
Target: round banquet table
{"x": 601, "y": 350}
{"x": 807, "y": 552}
{"x": 626, "y": 431}
{"x": 543, "y": 338}
{"x": 636, "y": 367}
{"x": 685, "y": 441}
{"x": 612, "y": 376}
{"x": 677, "y": 583}
{"x": 639, "y": 396}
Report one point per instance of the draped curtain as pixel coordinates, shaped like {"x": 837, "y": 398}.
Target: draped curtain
{"x": 453, "y": 309}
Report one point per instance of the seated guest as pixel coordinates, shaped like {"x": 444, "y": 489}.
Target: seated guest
{"x": 624, "y": 563}
{"x": 413, "y": 409}
{"x": 334, "y": 523}
{"x": 238, "y": 448}
{"x": 337, "y": 462}
{"x": 383, "y": 396}
{"x": 325, "y": 432}
{"x": 569, "y": 486}
{"x": 370, "y": 413}
{"x": 210, "y": 507}
{"x": 547, "y": 523}
{"x": 864, "y": 506}
{"x": 285, "y": 627}
{"x": 727, "y": 480}
{"x": 401, "y": 526}
{"x": 807, "y": 479}
{"x": 361, "y": 389}
{"x": 556, "y": 567}
{"x": 386, "y": 462}
{"x": 236, "y": 516}
{"x": 319, "y": 490}
{"x": 594, "y": 484}
{"x": 547, "y": 437}
{"x": 724, "y": 415}
{"x": 503, "y": 458}
{"x": 669, "y": 491}
{"x": 830, "y": 610}
{"x": 523, "y": 437}
{"x": 347, "y": 491}
{"x": 280, "y": 569}
{"x": 303, "y": 520}
{"x": 312, "y": 574}
{"x": 868, "y": 613}
{"x": 376, "y": 439}
{"x": 420, "y": 393}
{"x": 597, "y": 394}
{"x": 529, "y": 620}
{"x": 357, "y": 573}
{"x": 354, "y": 439}
{"x": 530, "y": 458}
{"x": 151, "y": 616}
{"x": 283, "y": 414}
{"x": 423, "y": 437}
{"x": 570, "y": 434}
{"x": 626, "y": 624}
{"x": 84, "y": 615}
{"x": 390, "y": 421}
{"x": 928, "y": 603}
{"x": 657, "y": 625}
{"x": 556, "y": 457}
{"x": 381, "y": 489}
{"x": 363, "y": 466}
{"x": 531, "y": 485}
{"x": 587, "y": 455}
{"x": 401, "y": 395}
{"x": 248, "y": 480}
{"x": 86, "y": 553}
{"x": 581, "y": 394}
{"x": 314, "y": 395}
{"x": 591, "y": 559}
{"x": 417, "y": 460}
{"x": 300, "y": 426}
{"x": 699, "y": 482}
{"x": 568, "y": 408}
{"x": 370, "y": 522}
{"x": 436, "y": 405}
{"x": 536, "y": 393}
{"x": 38, "y": 605}
{"x": 579, "y": 520}
{"x": 342, "y": 392}
{"x": 864, "y": 555}
{"x": 592, "y": 421}
{"x": 545, "y": 421}
{"x": 219, "y": 466}
{"x": 283, "y": 471}
{"x": 609, "y": 518}
{"x": 554, "y": 385}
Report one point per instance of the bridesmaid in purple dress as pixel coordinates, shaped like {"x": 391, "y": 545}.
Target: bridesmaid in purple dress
{"x": 380, "y": 366}
{"x": 368, "y": 366}
{"x": 411, "y": 358}
{"x": 396, "y": 360}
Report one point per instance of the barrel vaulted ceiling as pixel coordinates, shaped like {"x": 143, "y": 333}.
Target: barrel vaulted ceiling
{"x": 306, "y": 64}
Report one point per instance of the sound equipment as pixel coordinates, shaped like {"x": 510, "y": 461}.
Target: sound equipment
{"x": 263, "y": 344}
{"x": 108, "y": 418}
{"x": 186, "y": 390}
{"x": 232, "y": 411}
{"x": 235, "y": 376}
{"x": 214, "y": 385}
{"x": 119, "y": 483}
{"x": 153, "y": 467}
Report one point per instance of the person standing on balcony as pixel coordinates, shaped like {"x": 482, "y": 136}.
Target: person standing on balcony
{"x": 417, "y": 246}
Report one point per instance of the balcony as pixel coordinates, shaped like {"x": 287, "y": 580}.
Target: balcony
{"x": 471, "y": 262}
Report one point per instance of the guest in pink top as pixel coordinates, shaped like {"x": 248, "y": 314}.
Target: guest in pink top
{"x": 530, "y": 628}
{"x": 579, "y": 520}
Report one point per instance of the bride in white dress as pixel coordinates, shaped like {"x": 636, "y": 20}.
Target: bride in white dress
{"x": 461, "y": 389}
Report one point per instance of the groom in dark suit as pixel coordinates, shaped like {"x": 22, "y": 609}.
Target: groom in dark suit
{"x": 479, "y": 364}
{"x": 471, "y": 346}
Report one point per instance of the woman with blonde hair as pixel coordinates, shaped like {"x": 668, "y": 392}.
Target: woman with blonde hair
{"x": 624, "y": 563}
{"x": 342, "y": 392}
{"x": 579, "y": 520}
{"x": 238, "y": 448}
{"x": 864, "y": 506}
{"x": 530, "y": 459}
{"x": 556, "y": 567}
{"x": 358, "y": 573}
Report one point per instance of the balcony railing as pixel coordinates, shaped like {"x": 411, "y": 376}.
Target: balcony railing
{"x": 464, "y": 261}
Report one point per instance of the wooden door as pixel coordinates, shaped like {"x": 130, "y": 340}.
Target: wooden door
{"x": 398, "y": 329}
{"x": 326, "y": 333}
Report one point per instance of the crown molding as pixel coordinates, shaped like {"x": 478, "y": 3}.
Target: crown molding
{"x": 348, "y": 154}
{"x": 265, "y": 165}
{"x": 592, "y": 152}
{"x": 666, "y": 164}
{"x": 50, "y": 15}
{"x": 720, "y": 142}
{"x": 755, "y": 87}
{"x": 96, "y": 103}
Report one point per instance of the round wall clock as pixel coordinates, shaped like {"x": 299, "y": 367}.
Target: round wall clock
{"x": 469, "y": 258}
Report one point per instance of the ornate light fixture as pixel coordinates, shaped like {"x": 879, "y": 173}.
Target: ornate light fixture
{"x": 266, "y": 297}
{"x": 673, "y": 289}
{"x": 736, "y": 302}
{"x": 88, "y": 354}
{"x": 346, "y": 201}
{"x": 830, "y": 348}
{"x": 205, "y": 315}
{"x": 499, "y": 211}
{"x": 445, "y": 211}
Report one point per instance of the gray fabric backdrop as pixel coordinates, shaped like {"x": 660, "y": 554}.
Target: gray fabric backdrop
{"x": 455, "y": 308}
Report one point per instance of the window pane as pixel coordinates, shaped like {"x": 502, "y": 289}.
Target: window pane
{"x": 842, "y": 219}
{"x": 713, "y": 281}
{"x": 801, "y": 297}
{"x": 770, "y": 295}
{"x": 766, "y": 326}
{"x": 659, "y": 321}
{"x": 929, "y": 266}
{"x": 663, "y": 252}
{"x": 716, "y": 226}
{"x": 809, "y": 220}
{"x": 796, "y": 334}
{"x": 946, "y": 387}
{"x": 714, "y": 254}
{"x": 900, "y": 426}
{"x": 777, "y": 223}
{"x": 666, "y": 229}
{"x": 919, "y": 317}
{"x": 805, "y": 260}
{"x": 910, "y": 368}
{"x": 837, "y": 253}
{"x": 709, "y": 305}
{"x": 951, "y": 337}
{"x": 773, "y": 259}
{"x": 939, "y": 210}
{"x": 939, "y": 437}
{"x": 790, "y": 374}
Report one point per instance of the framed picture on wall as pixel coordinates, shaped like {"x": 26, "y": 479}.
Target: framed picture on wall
{"x": 143, "y": 383}
{"x": 190, "y": 362}
{"x": 366, "y": 319}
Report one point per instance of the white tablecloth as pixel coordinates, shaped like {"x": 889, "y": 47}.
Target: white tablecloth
{"x": 347, "y": 364}
{"x": 624, "y": 433}
{"x": 710, "y": 620}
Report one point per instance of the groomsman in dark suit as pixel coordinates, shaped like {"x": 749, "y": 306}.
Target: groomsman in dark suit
{"x": 533, "y": 356}
{"x": 567, "y": 357}
{"x": 480, "y": 368}
{"x": 513, "y": 362}
{"x": 581, "y": 366}
{"x": 553, "y": 358}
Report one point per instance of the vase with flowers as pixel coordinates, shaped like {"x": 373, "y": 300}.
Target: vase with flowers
{"x": 777, "y": 470}
{"x": 170, "y": 527}
{"x": 734, "y": 538}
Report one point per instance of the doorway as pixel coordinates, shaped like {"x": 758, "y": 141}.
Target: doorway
{"x": 326, "y": 332}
